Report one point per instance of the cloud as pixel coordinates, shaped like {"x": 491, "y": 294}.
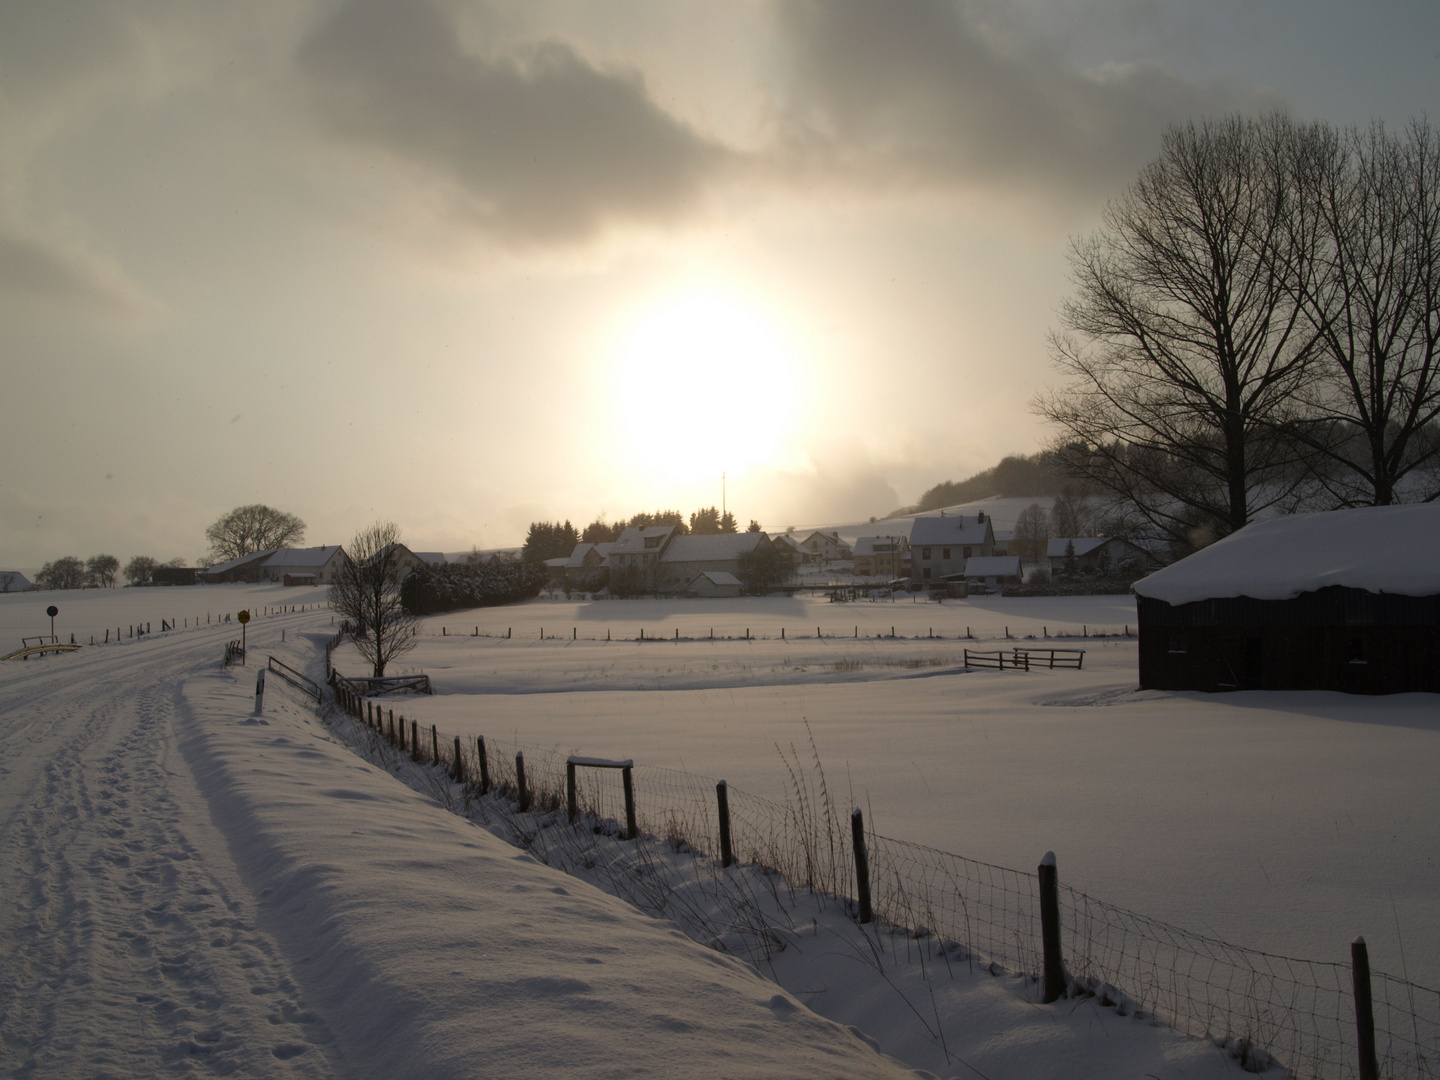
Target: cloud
{"x": 925, "y": 93}
{"x": 539, "y": 145}
{"x": 33, "y": 270}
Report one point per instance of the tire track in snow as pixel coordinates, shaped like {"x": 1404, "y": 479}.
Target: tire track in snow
{"x": 126, "y": 946}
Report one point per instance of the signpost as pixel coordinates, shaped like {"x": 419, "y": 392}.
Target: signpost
{"x": 52, "y": 611}
{"x": 242, "y": 618}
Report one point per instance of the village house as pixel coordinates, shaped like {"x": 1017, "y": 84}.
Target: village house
{"x": 821, "y": 546}
{"x": 987, "y": 573}
{"x": 885, "y": 557}
{"x": 712, "y": 583}
{"x": 941, "y": 544}
{"x": 686, "y": 557}
{"x": 303, "y": 566}
{"x": 1097, "y": 554}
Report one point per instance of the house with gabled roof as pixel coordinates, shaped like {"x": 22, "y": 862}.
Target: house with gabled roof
{"x": 303, "y": 566}
{"x": 941, "y": 544}
{"x": 15, "y": 581}
{"x": 1092, "y": 554}
{"x": 685, "y": 557}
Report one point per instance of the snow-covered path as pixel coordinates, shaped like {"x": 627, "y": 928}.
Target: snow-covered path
{"x": 191, "y": 890}
{"x": 128, "y": 942}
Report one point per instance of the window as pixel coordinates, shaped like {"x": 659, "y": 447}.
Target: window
{"x": 945, "y": 553}
{"x": 925, "y": 554}
{"x": 652, "y": 541}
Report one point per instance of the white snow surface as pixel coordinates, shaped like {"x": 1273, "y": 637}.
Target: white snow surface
{"x": 196, "y": 890}
{"x": 1382, "y": 549}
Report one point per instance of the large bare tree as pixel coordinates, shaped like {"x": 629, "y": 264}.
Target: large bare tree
{"x": 1366, "y": 224}
{"x": 366, "y": 592}
{"x": 248, "y": 529}
{"x": 1182, "y": 346}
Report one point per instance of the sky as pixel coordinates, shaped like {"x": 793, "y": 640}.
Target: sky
{"x": 465, "y": 265}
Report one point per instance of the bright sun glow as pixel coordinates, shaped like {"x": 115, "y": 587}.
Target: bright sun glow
{"x": 705, "y": 383}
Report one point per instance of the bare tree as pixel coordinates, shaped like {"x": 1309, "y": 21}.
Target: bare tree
{"x": 248, "y": 529}
{"x": 366, "y": 592}
{"x": 1183, "y": 347}
{"x": 1032, "y": 533}
{"x": 1366, "y": 229}
{"x": 102, "y": 569}
{"x": 139, "y": 569}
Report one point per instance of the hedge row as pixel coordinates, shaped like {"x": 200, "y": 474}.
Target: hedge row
{"x": 464, "y": 585}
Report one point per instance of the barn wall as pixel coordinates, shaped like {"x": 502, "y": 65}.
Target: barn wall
{"x": 1332, "y": 639}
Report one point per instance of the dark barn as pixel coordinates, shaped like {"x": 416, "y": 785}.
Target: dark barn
{"x": 1348, "y": 601}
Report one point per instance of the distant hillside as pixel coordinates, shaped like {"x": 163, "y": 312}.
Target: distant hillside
{"x": 1014, "y": 477}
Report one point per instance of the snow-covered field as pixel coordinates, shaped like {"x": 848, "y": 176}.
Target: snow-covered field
{"x": 193, "y": 890}
{"x": 1288, "y": 822}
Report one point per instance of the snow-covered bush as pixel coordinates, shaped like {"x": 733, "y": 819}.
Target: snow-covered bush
{"x": 465, "y": 585}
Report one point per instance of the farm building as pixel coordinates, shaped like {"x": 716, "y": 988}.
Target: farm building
{"x": 1347, "y": 600}
{"x": 715, "y": 583}
{"x": 987, "y": 573}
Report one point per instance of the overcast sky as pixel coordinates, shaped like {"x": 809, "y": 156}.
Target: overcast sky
{"x": 467, "y": 265}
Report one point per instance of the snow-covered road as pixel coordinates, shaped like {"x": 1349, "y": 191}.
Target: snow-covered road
{"x": 127, "y": 938}
{"x": 192, "y": 890}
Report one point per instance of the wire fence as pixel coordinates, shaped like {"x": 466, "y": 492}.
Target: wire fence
{"x": 1262, "y": 1008}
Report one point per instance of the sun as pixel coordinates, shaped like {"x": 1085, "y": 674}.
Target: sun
{"x": 704, "y": 382}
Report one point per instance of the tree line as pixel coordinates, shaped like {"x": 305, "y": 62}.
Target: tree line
{"x": 554, "y": 540}
{"x": 1255, "y": 326}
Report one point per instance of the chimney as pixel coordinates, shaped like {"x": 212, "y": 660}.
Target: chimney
{"x": 982, "y": 517}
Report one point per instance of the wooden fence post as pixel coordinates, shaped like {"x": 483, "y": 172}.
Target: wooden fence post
{"x": 630, "y": 831}
{"x": 402, "y": 732}
{"x": 458, "y": 773}
{"x": 484, "y": 764}
{"x": 1053, "y": 964}
{"x": 392, "y": 727}
{"x": 1364, "y": 1010}
{"x": 571, "y": 807}
{"x": 369, "y": 717}
{"x": 722, "y": 799}
{"x": 520, "y": 780}
{"x": 862, "y": 864}
{"x": 435, "y": 744}
{"x": 414, "y": 740}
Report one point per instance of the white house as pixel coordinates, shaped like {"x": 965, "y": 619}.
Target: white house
{"x": 303, "y": 566}
{"x": 986, "y": 573}
{"x": 714, "y": 583}
{"x": 941, "y": 544}
{"x": 685, "y": 557}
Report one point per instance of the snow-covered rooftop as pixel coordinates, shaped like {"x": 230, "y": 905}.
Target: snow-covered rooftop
{"x": 1056, "y": 548}
{"x": 949, "y": 529}
{"x": 717, "y": 546}
{"x": 634, "y": 540}
{"x": 231, "y": 564}
{"x": 1389, "y": 549}
{"x": 311, "y": 556}
{"x": 718, "y": 577}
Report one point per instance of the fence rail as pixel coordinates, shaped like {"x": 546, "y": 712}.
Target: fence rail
{"x": 1262, "y": 1008}
{"x": 294, "y": 678}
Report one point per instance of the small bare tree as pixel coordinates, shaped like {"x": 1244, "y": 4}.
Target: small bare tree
{"x": 248, "y": 529}
{"x": 102, "y": 570}
{"x": 366, "y": 592}
{"x": 1032, "y": 533}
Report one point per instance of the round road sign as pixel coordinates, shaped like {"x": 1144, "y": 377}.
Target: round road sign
{"x": 52, "y": 611}
{"x": 244, "y": 617}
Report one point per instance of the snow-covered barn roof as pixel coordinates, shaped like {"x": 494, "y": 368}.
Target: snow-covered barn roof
{"x": 231, "y": 564}
{"x": 1381, "y": 549}
{"x": 1055, "y": 549}
{"x": 718, "y": 546}
{"x": 312, "y": 556}
{"x": 949, "y": 529}
{"x": 718, "y": 577}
